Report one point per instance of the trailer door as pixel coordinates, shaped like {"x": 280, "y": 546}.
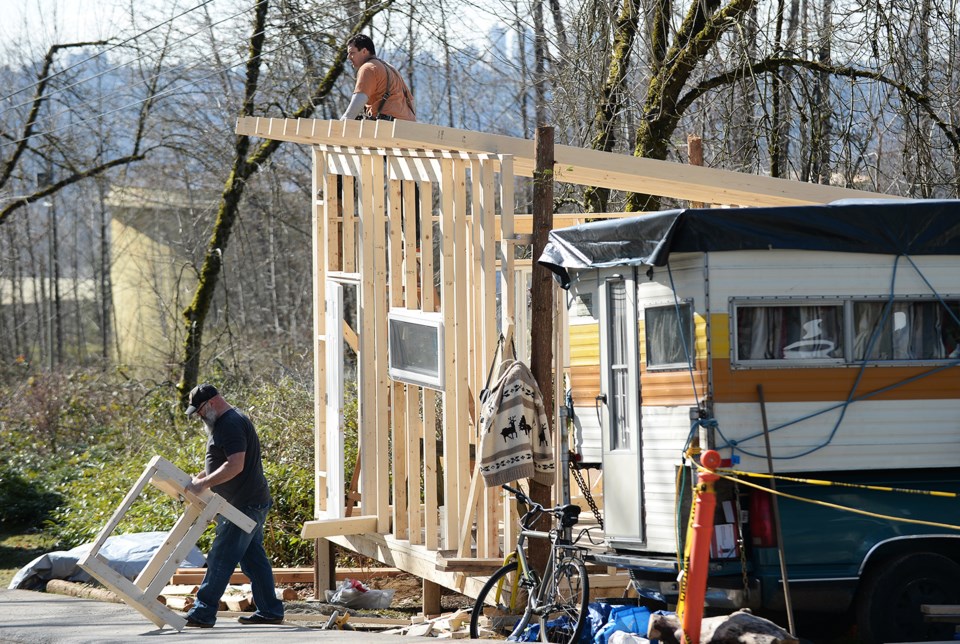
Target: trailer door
{"x": 619, "y": 407}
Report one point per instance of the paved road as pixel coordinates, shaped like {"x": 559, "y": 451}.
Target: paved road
{"x": 45, "y": 618}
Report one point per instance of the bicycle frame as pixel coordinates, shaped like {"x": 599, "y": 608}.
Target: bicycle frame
{"x": 527, "y": 576}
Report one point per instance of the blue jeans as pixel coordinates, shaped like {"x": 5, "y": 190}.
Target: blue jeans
{"x": 231, "y": 546}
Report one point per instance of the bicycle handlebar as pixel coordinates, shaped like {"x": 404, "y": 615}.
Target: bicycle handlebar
{"x": 564, "y": 514}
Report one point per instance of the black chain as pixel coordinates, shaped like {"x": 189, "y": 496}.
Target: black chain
{"x": 585, "y": 490}
{"x": 742, "y": 544}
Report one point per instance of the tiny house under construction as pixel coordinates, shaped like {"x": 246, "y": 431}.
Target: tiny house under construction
{"x": 418, "y": 222}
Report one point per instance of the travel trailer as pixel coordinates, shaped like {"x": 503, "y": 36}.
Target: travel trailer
{"x": 831, "y": 331}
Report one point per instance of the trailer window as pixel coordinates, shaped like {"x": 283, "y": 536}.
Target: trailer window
{"x": 906, "y": 330}
{"x": 668, "y": 331}
{"x": 805, "y": 332}
{"x": 619, "y": 347}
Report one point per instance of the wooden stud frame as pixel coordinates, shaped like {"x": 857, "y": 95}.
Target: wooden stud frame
{"x": 201, "y": 509}
{"x": 390, "y": 206}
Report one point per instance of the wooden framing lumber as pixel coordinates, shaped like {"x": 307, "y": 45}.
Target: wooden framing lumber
{"x": 398, "y": 390}
{"x": 471, "y": 565}
{"x": 572, "y": 164}
{"x": 201, "y": 509}
{"x": 451, "y": 430}
{"x": 374, "y": 169}
{"x": 487, "y": 221}
{"x": 319, "y": 218}
{"x": 323, "y": 528}
{"x": 431, "y": 526}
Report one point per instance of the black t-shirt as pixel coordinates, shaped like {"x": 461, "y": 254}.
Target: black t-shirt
{"x": 232, "y": 433}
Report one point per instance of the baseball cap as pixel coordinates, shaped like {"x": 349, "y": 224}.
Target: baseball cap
{"x": 199, "y": 395}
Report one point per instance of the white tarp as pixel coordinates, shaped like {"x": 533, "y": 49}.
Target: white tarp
{"x": 128, "y": 554}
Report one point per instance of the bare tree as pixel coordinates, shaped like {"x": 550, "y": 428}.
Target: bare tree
{"x": 21, "y": 143}
{"x": 611, "y": 101}
{"x": 245, "y": 163}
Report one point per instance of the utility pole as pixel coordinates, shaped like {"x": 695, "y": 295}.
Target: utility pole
{"x": 541, "y": 315}
{"x": 54, "y": 312}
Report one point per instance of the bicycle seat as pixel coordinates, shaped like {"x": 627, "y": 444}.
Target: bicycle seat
{"x": 569, "y": 515}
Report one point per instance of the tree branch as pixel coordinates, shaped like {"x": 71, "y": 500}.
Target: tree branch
{"x": 775, "y": 64}
{"x": 43, "y": 79}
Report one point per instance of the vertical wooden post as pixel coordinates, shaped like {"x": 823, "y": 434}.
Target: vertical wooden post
{"x": 431, "y": 598}
{"x": 541, "y": 315}
{"x": 324, "y": 567}
{"x": 695, "y": 157}
{"x": 320, "y": 230}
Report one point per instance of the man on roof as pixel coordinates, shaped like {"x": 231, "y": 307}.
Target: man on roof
{"x": 380, "y": 92}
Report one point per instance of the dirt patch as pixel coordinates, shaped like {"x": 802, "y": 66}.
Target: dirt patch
{"x": 407, "y": 598}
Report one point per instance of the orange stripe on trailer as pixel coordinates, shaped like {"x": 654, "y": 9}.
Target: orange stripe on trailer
{"x": 831, "y": 384}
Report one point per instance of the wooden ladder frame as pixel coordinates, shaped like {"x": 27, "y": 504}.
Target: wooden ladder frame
{"x": 201, "y": 510}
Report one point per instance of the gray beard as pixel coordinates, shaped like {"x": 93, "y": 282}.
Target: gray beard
{"x": 208, "y": 426}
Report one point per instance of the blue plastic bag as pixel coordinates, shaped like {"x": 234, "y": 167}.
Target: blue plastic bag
{"x": 630, "y": 619}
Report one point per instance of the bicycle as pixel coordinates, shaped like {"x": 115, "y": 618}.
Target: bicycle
{"x": 558, "y": 600}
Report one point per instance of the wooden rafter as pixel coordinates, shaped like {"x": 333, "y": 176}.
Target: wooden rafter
{"x": 573, "y": 164}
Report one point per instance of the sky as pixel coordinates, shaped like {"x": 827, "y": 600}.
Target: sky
{"x": 46, "y": 21}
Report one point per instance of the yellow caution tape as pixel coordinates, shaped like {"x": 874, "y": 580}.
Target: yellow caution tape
{"x": 880, "y": 488}
{"x": 826, "y": 504}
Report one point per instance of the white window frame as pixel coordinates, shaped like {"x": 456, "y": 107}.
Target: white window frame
{"x": 900, "y": 299}
{"x": 736, "y": 303}
{"x": 432, "y": 320}
{"x": 848, "y": 320}
{"x": 691, "y": 335}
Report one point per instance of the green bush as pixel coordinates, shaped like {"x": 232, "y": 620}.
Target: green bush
{"x": 92, "y": 435}
{"x": 23, "y": 502}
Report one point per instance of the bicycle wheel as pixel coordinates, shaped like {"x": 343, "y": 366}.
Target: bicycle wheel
{"x": 501, "y": 607}
{"x": 565, "y": 613}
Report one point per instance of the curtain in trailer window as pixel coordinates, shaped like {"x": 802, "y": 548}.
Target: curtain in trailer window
{"x": 911, "y": 331}
{"x": 669, "y": 340}
{"x": 789, "y": 332}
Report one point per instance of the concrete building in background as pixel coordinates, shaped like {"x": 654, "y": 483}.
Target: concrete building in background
{"x": 151, "y": 272}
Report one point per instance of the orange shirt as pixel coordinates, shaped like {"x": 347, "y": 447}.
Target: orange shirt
{"x": 372, "y": 81}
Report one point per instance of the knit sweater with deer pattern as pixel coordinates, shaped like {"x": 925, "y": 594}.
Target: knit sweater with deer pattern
{"x": 515, "y": 437}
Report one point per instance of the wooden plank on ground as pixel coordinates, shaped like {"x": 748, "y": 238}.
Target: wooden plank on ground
{"x": 189, "y": 578}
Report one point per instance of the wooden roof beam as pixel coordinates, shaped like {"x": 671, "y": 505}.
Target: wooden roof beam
{"x": 573, "y": 165}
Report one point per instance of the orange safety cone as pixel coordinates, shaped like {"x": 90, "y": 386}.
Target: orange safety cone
{"x": 695, "y": 577}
